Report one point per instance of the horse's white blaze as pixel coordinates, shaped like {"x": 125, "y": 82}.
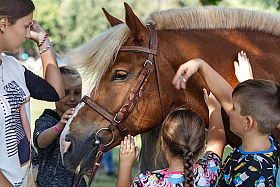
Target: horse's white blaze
{"x": 63, "y": 144}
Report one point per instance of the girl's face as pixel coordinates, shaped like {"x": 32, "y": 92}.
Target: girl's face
{"x": 72, "y": 95}
{"x": 14, "y": 35}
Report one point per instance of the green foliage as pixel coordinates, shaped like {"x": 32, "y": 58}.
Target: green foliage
{"x": 209, "y": 2}
{"x": 71, "y": 23}
{"x": 270, "y": 6}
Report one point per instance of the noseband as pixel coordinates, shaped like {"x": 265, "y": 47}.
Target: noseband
{"x": 133, "y": 98}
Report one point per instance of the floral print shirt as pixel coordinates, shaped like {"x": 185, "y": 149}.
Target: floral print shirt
{"x": 205, "y": 171}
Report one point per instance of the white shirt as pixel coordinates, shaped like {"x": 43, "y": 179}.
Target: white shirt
{"x": 14, "y": 122}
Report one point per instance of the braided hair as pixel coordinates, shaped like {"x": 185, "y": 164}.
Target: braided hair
{"x": 183, "y": 131}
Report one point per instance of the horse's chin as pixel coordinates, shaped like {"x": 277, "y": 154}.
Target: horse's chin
{"x": 89, "y": 160}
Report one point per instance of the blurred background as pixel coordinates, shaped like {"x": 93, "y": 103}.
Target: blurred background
{"x": 70, "y": 23}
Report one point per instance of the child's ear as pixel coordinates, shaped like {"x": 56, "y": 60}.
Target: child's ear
{"x": 250, "y": 122}
{"x": 3, "y": 24}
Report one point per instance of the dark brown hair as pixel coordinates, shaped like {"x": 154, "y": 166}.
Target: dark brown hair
{"x": 183, "y": 131}
{"x": 15, "y": 9}
{"x": 261, "y": 100}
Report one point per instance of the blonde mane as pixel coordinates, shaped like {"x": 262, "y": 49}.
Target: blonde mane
{"x": 212, "y": 17}
{"x": 95, "y": 56}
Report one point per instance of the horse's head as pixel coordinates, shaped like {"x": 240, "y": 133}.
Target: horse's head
{"x": 120, "y": 76}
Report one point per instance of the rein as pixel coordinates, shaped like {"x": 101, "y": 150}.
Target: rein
{"x": 131, "y": 101}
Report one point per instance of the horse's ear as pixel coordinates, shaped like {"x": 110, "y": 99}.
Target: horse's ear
{"x": 138, "y": 30}
{"x": 111, "y": 19}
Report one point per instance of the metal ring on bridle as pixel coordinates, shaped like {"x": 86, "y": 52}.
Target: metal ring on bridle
{"x": 97, "y": 141}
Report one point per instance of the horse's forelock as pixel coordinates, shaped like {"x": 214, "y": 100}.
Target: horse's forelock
{"x": 94, "y": 57}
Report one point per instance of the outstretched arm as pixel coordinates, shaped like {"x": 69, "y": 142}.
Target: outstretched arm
{"x": 51, "y": 71}
{"x": 216, "y": 132}
{"x": 216, "y": 83}
{"x": 128, "y": 155}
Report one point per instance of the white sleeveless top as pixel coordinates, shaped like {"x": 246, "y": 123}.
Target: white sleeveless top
{"x": 15, "y": 130}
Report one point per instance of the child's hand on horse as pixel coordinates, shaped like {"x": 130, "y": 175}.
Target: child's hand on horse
{"x": 128, "y": 152}
{"x": 211, "y": 102}
{"x": 243, "y": 69}
{"x": 64, "y": 119}
{"x": 184, "y": 72}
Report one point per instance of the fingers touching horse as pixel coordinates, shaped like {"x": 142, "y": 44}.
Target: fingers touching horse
{"x": 119, "y": 79}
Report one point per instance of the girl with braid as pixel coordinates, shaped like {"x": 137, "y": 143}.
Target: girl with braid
{"x": 182, "y": 139}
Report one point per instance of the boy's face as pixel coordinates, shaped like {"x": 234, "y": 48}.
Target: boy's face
{"x": 72, "y": 95}
{"x": 237, "y": 121}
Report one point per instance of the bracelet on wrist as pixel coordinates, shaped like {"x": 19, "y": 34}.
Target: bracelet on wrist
{"x": 48, "y": 46}
{"x": 43, "y": 41}
{"x": 56, "y": 128}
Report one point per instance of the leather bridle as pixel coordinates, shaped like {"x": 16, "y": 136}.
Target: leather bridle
{"x": 133, "y": 98}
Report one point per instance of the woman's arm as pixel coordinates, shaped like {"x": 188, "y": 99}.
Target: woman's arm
{"x": 4, "y": 181}
{"x": 216, "y": 83}
{"x": 216, "y": 132}
{"x": 51, "y": 71}
{"x": 128, "y": 155}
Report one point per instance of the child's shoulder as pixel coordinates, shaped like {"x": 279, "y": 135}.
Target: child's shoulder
{"x": 49, "y": 113}
{"x": 209, "y": 158}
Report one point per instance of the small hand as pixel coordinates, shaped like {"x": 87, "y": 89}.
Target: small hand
{"x": 64, "y": 119}
{"x": 37, "y": 32}
{"x": 88, "y": 173}
{"x": 128, "y": 151}
{"x": 211, "y": 102}
{"x": 184, "y": 72}
{"x": 243, "y": 69}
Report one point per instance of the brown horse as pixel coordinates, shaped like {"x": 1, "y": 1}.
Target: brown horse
{"x": 213, "y": 34}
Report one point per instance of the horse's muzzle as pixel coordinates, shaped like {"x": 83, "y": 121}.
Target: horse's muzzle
{"x": 82, "y": 155}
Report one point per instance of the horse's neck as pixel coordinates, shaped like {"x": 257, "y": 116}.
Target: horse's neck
{"x": 219, "y": 48}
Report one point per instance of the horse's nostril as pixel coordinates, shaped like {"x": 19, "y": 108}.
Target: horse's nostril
{"x": 69, "y": 143}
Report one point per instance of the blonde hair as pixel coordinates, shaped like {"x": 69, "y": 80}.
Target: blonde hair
{"x": 71, "y": 72}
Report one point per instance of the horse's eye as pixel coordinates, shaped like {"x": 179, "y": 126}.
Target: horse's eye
{"x": 120, "y": 75}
